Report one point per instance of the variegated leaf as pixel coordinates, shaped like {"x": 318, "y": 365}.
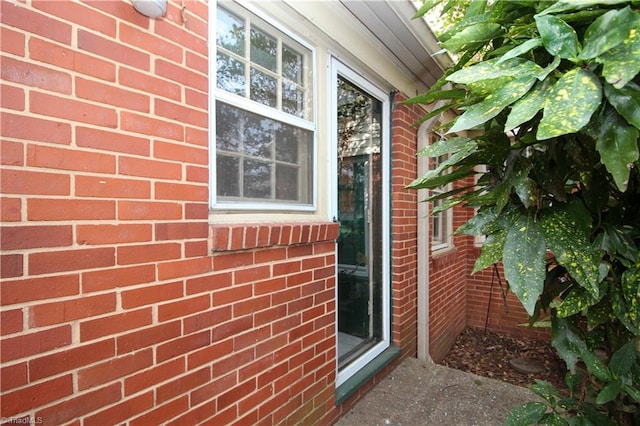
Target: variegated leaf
{"x": 447, "y": 146}
{"x": 608, "y": 31}
{"x": 576, "y": 96}
{"x": 576, "y": 301}
{"x": 491, "y": 69}
{"x": 558, "y": 37}
{"x": 563, "y": 5}
{"x": 492, "y": 105}
{"x": 475, "y": 34}
{"x": 528, "y": 106}
{"x": 492, "y": 250}
{"x": 524, "y": 259}
{"x": 563, "y": 235}
{"x": 622, "y": 63}
{"x": 630, "y": 284}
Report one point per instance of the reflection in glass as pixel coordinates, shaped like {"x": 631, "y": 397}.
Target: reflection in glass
{"x": 263, "y": 88}
{"x": 257, "y": 179}
{"x": 291, "y": 64}
{"x": 259, "y": 136}
{"x": 227, "y": 176}
{"x": 287, "y": 143}
{"x": 292, "y": 99}
{"x": 264, "y": 49}
{"x": 250, "y": 148}
{"x": 230, "y": 32}
{"x": 228, "y": 135}
{"x": 286, "y": 183}
{"x": 230, "y": 74}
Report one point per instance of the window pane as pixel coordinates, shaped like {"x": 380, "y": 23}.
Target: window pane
{"x": 291, "y": 65}
{"x": 286, "y": 183}
{"x": 292, "y": 99}
{"x": 263, "y": 88}
{"x": 264, "y": 50}
{"x": 287, "y": 144}
{"x": 259, "y": 134}
{"x": 230, "y": 32}
{"x": 228, "y": 136}
{"x": 228, "y": 176}
{"x": 230, "y": 74}
{"x": 257, "y": 179}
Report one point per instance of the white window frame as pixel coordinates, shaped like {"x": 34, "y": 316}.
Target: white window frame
{"x": 260, "y": 109}
{"x": 445, "y": 242}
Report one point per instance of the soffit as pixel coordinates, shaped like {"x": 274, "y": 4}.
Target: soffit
{"x": 411, "y": 41}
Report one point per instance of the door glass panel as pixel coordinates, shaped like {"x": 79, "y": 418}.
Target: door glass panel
{"x": 360, "y": 215}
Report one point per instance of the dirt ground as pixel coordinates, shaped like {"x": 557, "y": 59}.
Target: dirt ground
{"x": 491, "y": 354}
{"x": 418, "y": 393}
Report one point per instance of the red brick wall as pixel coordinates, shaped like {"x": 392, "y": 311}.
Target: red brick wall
{"x": 113, "y": 307}
{"x": 404, "y": 231}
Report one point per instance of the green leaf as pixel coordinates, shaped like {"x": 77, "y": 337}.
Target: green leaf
{"x": 572, "y": 381}
{"x": 558, "y": 37}
{"x": 622, "y": 63}
{"x": 478, "y": 224}
{"x": 436, "y": 112}
{"x": 524, "y": 259}
{"x": 626, "y": 101}
{"x": 624, "y": 358}
{"x": 575, "y": 97}
{"x": 567, "y": 342}
{"x": 492, "y": 250}
{"x": 524, "y": 186}
{"x": 608, "y": 393}
{"x": 492, "y": 68}
{"x": 564, "y": 5}
{"x": 617, "y": 145}
{"x": 526, "y": 414}
{"x": 632, "y": 392}
{"x": 447, "y": 146}
{"x": 553, "y": 419}
{"x": 608, "y": 31}
{"x": 565, "y": 238}
{"x": 432, "y": 180}
{"x": 630, "y": 285}
{"x": 619, "y": 306}
{"x": 521, "y": 49}
{"x": 427, "y": 5}
{"x": 492, "y": 105}
{"x": 436, "y": 95}
{"x": 473, "y": 35}
{"x": 595, "y": 365}
{"x": 527, "y": 106}
{"x": 576, "y": 301}
{"x": 546, "y": 391}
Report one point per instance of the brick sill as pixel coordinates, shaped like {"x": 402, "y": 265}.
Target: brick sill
{"x": 233, "y": 237}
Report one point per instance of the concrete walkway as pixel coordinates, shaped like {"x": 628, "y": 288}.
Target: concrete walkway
{"x": 419, "y": 394}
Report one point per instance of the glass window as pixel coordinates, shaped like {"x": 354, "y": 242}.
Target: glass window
{"x": 442, "y": 227}
{"x": 264, "y": 118}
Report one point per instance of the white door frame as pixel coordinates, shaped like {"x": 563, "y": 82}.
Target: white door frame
{"x": 339, "y": 68}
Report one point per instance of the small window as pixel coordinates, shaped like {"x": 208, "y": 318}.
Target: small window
{"x": 442, "y": 227}
{"x": 264, "y": 117}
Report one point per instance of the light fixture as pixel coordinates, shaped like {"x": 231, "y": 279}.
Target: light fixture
{"x": 150, "y": 8}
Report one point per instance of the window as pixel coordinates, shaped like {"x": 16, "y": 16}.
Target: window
{"x": 442, "y": 227}
{"x": 264, "y": 115}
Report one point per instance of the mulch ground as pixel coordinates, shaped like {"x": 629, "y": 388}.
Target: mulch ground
{"x": 489, "y": 354}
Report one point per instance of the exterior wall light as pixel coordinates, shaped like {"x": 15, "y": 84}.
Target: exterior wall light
{"x": 150, "y": 8}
